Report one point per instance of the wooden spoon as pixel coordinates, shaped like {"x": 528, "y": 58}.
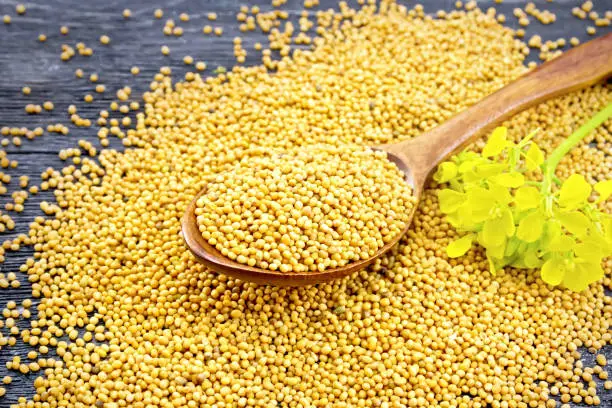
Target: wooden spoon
{"x": 417, "y": 158}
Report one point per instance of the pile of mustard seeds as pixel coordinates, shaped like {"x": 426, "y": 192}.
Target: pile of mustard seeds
{"x": 306, "y": 209}
{"x": 136, "y": 322}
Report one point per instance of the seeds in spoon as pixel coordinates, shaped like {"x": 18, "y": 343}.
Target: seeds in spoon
{"x": 310, "y": 210}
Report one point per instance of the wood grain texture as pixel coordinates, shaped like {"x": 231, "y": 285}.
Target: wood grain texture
{"x": 137, "y": 41}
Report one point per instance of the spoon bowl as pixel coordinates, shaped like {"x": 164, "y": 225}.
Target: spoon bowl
{"x": 417, "y": 158}
{"x": 210, "y": 256}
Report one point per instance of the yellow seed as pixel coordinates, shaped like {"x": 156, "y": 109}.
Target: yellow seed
{"x": 601, "y": 360}
{"x": 104, "y": 39}
{"x": 188, "y": 60}
{"x": 158, "y": 13}
{"x": 26, "y": 90}
{"x": 6, "y": 19}
{"x": 64, "y": 30}
{"x": 127, "y": 13}
{"x": 42, "y": 38}
{"x": 165, "y": 50}
{"x": 20, "y": 9}
{"x": 587, "y": 6}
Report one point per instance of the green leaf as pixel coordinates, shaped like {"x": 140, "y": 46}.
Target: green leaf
{"x": 583, "y": 274}
{"x": 553, "y": 271}
{"x": 530, "y": 228}
{"x": 446, "y": 171}
{"x": 511, "y": 180}
{"x": 496, "y": 143}
{"x": 527, "y": 197}
{"x": 460, "y": 246}
{"x": 574, "y": 192}
{"x": 534, "y": 157}
{"x": 604, "y": 189}
{"x": 575, "y": 222}
{"x": 450, "y": 200}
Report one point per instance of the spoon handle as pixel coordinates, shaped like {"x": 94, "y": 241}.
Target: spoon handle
{"x": 573, "y": 70}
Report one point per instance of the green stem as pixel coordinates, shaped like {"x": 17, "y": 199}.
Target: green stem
{"x": 553, "y": 160}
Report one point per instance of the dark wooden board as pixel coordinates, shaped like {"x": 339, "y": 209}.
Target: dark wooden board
{"x": 137, "y": 41}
